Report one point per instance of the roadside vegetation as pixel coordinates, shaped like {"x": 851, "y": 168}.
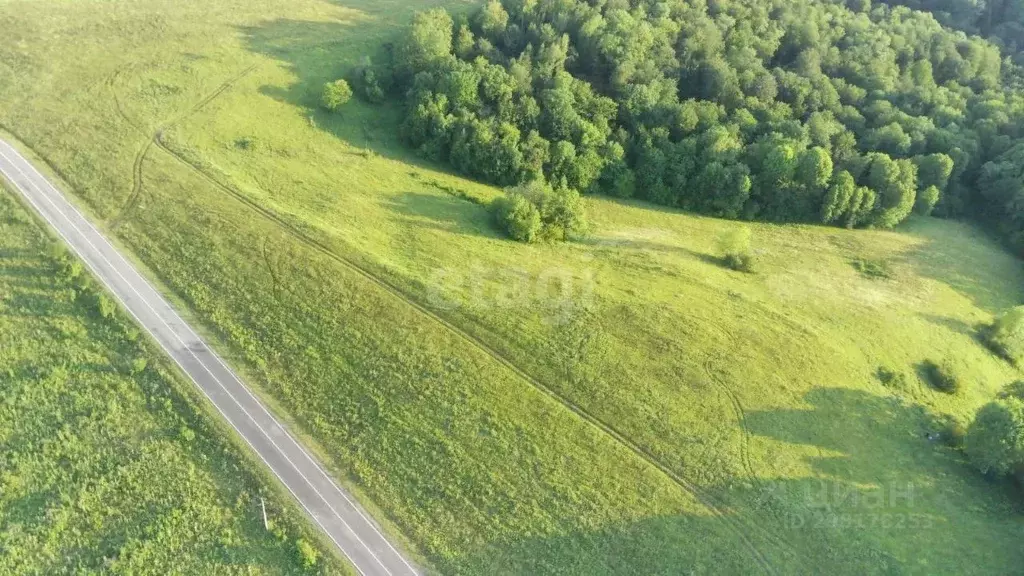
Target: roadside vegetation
{"x": 109, "y": 463}
{"x": 526, "y": 408}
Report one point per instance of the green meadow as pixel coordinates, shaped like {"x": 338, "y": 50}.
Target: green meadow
{"x": 618, "y": 405}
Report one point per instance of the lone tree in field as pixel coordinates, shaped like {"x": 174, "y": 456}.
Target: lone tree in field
{"x": 736, "y": 251}
{"x": 995, "y": 440}
{"x": 335, "y": 95}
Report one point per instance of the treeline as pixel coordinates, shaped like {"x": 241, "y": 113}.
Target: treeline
{"x": 800, "y": 110}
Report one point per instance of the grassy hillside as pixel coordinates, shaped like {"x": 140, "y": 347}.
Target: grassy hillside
{"x": 621, "y": 405}
{"x": 109, "y": 466}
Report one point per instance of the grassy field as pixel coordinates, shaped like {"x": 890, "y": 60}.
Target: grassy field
{"x": 109, "y": 465}
{"x": 620, "y": 405}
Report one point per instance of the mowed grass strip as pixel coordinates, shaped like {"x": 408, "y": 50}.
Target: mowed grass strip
{"x": 110, "y": 465}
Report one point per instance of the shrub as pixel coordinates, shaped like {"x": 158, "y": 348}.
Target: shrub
{"x": 245, "y": 143}
{"x": 562, "y": 215}
{"x": 740, "y": 262}
{"x": 873, "y": 269}
{"x": 373, "y": 83}
{"x": 70, "y": 270}
{"x": 1014, "y": 390}
{"x": 891, "y": 378}
{"x": 307, "y": 553}
{"x": 100, "y": 303}
{"x": 735, "y": 248}
{"x": 534, "y": 211}
{"x": 952, "y": 431}
{"x": 942, "y": 377}
{"x": 335, "y": 95}
{"x": 995, "y": 440}
{"x": 518, "y": 217}
{"x": 1006, "y": 335}
{"x": 954, "y": 434}
{"x": 138, "y": 366}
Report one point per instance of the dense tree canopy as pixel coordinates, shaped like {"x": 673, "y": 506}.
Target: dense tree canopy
{"x": 797, "y": 110}
{"x": 1000, "y": 20}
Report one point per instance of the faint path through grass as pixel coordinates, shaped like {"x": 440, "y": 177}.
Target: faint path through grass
{"x": 140, "y": 156}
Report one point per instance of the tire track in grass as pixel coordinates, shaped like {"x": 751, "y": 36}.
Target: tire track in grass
{"x": 270, "y": 269}
{"x": 140, "y": 155}
{"x": 716, "y": 507}
{"x": 741, "y": 418}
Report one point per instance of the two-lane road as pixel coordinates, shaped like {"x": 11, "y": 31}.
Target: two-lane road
{"x": 330, "y": 507}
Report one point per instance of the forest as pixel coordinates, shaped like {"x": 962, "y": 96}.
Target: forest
{"x": 1002, "y": 21}
{"x": 850, "y": 114}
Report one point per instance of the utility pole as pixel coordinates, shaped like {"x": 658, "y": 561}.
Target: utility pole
{"x": 263, "y": 505}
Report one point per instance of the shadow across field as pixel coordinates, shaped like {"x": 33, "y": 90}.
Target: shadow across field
{"x": 902, "y": 453}
{"x": 955, "y": 325}
{"x": 899, "y": 506}
{"x": 668, "y": 545}
{"x": 445, "y": 213}
{"x": 651, "y": 246}
{"x": 917, "y": 492}
{"x": 964, "y": 261}
{"x": 316, "y": 52}
{"x": 26, "y": 288}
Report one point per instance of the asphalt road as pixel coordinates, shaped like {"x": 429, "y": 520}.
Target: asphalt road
{"x": 331, "y": 508}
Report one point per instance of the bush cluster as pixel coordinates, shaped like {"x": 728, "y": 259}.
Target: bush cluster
{"x": 892, "y": 378}
{"x": 335, "y": 95}
{"x": 873, "y": 269}
{"x": 534, "y": 212}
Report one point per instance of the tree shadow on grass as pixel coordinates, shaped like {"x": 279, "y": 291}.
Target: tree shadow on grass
{"x": 882, "y": 499}
{"x": 665, "y": 545}
{"x": 319, "y": 52}
{"x": 800, "y": 543}
{"x": 26, "y": 288}
{"x": 860, "y": 437}
{"x": 650, "y": 246}
{"x": 956, "y": 325}
{"x": 881, "y": 478}
{"x": 879, "y": 436}
{"x": 963, "y": 257}
{"x": 443, "y": 212}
